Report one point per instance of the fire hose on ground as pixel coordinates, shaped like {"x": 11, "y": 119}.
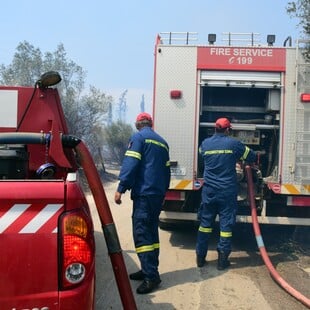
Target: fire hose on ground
{"x": 260, "y": 243}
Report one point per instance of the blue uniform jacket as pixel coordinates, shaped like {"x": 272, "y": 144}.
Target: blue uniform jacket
{"x": 146, "y": 167}
{"x": 220, "y": 154}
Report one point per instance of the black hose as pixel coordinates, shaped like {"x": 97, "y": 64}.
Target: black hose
{"x": 23, "y": 138}
{"x": 36, "y": 138}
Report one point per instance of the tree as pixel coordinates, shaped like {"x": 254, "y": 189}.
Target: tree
{"x": 116, "y": 137}
{"x": 27, "y": 66}
{"x": 93, "y": 113}
{"x": 301, "y": 10}
{"x": 84, "y": 113}
{"x": 122, "y": 106}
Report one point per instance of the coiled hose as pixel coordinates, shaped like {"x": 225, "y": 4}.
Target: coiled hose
{"x": 260, "y": 243}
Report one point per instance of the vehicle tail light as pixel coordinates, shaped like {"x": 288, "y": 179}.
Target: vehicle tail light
{"x": 175, "y": 195}
{"x": 305, "y": 97}
{"x": 77, "y": 248}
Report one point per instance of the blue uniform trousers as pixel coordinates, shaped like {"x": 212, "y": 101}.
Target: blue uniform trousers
{"x": 145, "y": 219}
{"x": 225, "y": 205}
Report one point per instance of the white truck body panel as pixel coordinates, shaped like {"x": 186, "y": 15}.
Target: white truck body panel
{"x": 177, "y": 115}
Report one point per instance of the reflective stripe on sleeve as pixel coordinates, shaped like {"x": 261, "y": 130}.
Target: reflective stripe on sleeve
{"x": 133, "y": 154}
{"x": 246, "y": 153}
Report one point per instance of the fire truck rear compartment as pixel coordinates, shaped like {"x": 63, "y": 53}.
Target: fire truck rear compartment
{"x": 254, "y": 105}
{"x": 254, "y": 114}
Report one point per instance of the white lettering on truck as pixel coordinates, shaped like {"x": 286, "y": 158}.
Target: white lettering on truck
{"x": 247, "y": 52}
{"x": 220, "y": 51}
{"x": 241, "y": 56}
{"x": 252, "y": 52}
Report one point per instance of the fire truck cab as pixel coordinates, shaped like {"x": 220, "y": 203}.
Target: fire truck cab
{"x": 47, "y": 241}
{"x": 265, "y": 92}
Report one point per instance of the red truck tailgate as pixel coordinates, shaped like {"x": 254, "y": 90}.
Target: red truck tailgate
{"x": 29, "y": 212}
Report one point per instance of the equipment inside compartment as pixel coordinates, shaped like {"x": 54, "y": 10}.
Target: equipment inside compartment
{"x": 13, "y": 161}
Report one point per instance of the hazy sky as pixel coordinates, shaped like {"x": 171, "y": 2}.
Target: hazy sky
{"x": 113, "y": 41}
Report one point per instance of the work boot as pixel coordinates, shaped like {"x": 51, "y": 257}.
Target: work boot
{"x": 200, "y": 260}
{"x": 139, "y": 275}
{"x": 222, "y": 262}
{"x": 148, "y": 286}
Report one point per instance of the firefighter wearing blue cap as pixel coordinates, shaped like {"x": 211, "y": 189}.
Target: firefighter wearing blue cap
{"x": 146, "y": 172}
{"x": 219, "y": 193}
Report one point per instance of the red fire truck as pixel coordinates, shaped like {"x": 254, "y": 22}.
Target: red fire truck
{"x": 264, "y": 90}
{"x": 47, "y": 241}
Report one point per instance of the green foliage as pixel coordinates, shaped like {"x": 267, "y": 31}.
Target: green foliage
{"x": 93, "y": 112}
{"x": 301, "y": 10}
{"x": 116, "y": 137}
{"x": 85, "y": 112}
{"x": 29, "y": 63}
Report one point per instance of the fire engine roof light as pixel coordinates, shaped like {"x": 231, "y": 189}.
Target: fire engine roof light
{"x": 305, "y": 97}
{"x": 271, "y": 38}
{"x": 211, "y": 38}
{"x": 49, "y": 78}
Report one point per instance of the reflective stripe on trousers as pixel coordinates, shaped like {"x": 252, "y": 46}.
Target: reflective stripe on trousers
{"x": 226, "y": 208}
{"x": 145, "y": 218}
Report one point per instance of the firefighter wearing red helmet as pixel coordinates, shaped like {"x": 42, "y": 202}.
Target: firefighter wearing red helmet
{"x": 145, "y": 172}
{"x": 219, "y": 193}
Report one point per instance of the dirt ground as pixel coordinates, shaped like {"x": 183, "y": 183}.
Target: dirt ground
{"x": 247, "y": 284}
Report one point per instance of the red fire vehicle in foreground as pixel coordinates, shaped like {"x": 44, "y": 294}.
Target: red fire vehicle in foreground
{"x": 47, "y": 242}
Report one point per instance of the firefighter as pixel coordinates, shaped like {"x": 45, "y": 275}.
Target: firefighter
{"x": 219, "y": 193}
{"x": 146, "y": 172}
